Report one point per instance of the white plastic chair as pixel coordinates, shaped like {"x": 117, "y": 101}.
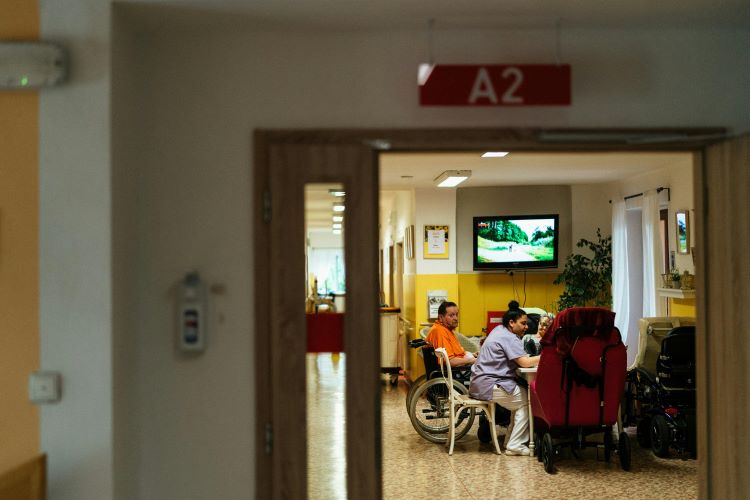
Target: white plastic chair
{"x": 460, "y": 401}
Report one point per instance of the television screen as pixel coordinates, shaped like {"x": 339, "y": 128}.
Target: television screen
{"x": 516, "y": 241}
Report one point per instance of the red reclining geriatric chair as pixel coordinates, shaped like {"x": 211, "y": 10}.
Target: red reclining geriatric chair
{"x": 579, "y": 384}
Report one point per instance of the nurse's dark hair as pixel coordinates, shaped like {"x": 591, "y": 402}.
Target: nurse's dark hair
{"x": 443, "y": 307}
{"x": 513, "y": 313}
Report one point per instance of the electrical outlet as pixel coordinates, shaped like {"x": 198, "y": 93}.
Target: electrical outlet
{"x": 44, "y": 387}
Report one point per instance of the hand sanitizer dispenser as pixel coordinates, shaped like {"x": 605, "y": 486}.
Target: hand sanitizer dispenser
{"x": 192, "y": 315}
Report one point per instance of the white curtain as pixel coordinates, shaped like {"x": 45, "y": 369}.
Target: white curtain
{"x": 651, "y": 252}
{"x": 620, "y": 285}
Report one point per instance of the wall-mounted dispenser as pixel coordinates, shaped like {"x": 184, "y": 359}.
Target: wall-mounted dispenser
{"x": 191, "y": 319}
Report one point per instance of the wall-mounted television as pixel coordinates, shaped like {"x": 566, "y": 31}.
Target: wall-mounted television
{"x": 516, "y": 241}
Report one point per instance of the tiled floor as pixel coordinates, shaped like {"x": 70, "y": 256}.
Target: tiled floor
{"x": 416, "y": 469}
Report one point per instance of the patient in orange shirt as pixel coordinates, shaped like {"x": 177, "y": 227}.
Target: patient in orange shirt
{"x": 442, "y": 335}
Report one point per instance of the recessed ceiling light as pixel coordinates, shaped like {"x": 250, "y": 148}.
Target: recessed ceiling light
{"x": 452, "y": 178}
{"x": 338, "y": 218}
{"x": 337, "y": 231}
{"x": 337, "y": 192}
{"x": 495, "y": 154}
{"x": 338, "y": 207}
{"x": 337, "y": 225}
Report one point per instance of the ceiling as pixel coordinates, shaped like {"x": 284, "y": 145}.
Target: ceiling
{"x": 410, "y": 170}
{"x": 319, "y": 206}
{"x": 406, "y": 171}
{"x": 414, "y": 14}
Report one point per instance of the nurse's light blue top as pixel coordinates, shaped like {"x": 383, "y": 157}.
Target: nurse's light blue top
{"x": 496, "y": 364}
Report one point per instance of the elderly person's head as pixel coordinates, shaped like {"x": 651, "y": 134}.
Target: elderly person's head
{"x": 448, "y": 315}
{"x": 545, "y": 320}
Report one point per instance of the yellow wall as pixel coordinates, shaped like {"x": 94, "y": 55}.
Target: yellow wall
{"x": 19, "y": 274}
{"x": 482, "y": 292}
{"x": 682, "y": 307}
{"x": 478, "y": 293}
{"x": 423, "y": 283}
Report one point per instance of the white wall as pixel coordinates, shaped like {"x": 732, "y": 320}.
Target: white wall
{"x": 325, "y": 239}
{"x": 435, "y": 207}
{"x": 75, "y": 254}
{"x": 198, "y": 96}
{"x": 590, "y": 210}
{"x": 396, "y": 214}
{"x": 395, "y": 218}
{"x": 681, "y": 183}
{"x": 125, "y": 250}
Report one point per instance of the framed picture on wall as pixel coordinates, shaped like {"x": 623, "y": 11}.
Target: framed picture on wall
{"x": 409, "y": 242}
{"x": 682, "y": 230}
{"x": 435, "y": 242}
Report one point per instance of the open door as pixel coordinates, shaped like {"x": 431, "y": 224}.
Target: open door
{"x": 282, "y": 462}
{"x": 723, "y": 360}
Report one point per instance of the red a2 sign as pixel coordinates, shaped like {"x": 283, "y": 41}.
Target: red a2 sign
{"x": 494, "y": 85}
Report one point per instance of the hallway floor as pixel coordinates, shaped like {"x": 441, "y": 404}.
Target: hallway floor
{"x": 414, "y": 468}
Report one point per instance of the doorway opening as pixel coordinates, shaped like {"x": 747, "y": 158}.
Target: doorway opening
{"x": 293, "y": 152}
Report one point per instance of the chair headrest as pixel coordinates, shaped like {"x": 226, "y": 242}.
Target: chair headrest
{"x": 576, "y": 322}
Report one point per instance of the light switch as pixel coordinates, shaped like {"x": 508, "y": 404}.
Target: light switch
{"x": 44, "y": 387}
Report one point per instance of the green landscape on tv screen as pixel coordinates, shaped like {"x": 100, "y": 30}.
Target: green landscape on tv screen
{"x": 515, "y": 241}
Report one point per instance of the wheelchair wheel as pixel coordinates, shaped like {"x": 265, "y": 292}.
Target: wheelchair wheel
{"x": 661, "y": 436}
{"x": 419, "y": 381}
{"x": 643, "y": 433}
{"x": 429, "y": 411}
{"x": 538, "y": 446}
{"x": 623, "y": 450}
{"x": 548, "y": 453}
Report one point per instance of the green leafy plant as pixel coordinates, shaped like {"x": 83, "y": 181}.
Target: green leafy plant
{"x": 588, "y": 279}
{"x": 675, "y": 272}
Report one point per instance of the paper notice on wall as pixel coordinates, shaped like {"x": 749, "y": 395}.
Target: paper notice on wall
{"x": 435, "y": 241}
{"x": 434, "y": 299}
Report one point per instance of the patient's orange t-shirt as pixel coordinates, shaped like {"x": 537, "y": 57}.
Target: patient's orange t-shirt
{"x": 440, "y": 336}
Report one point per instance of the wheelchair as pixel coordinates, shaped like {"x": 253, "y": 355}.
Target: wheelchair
{"x": 433, "y": 369}
{"x": 660, "y": 400}
{"x": 579, "y": 383}
{"x": 427, "y": 402}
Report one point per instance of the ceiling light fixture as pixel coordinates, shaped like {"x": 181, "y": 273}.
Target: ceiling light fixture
{"x": 337, "y": 231}
{"x": 338, "y": 207}
{"x": 337, "y": 192}
{"x": 337, "y": 225}
{"x": 495, "y": 154}
{"x": 338, "y": 218}
{"x": 452, "y": 178}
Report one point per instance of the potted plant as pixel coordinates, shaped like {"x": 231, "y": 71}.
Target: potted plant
{"x": 675, "y": 274}
{"x": 588, "y": 278}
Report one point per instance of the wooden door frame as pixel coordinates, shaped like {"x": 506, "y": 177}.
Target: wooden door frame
{"x": 399, "y": 274}
{"x": 692, "y": 140}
